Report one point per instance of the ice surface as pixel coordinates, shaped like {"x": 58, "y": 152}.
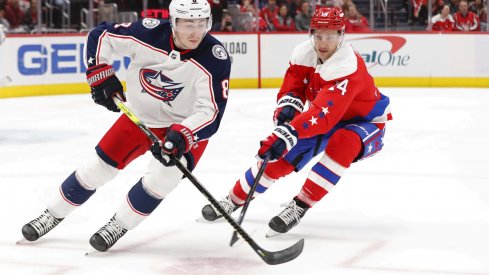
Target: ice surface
{"x": 419, "y": 206}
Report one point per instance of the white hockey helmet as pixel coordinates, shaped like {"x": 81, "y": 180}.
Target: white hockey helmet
{"x": 190, "y": 9}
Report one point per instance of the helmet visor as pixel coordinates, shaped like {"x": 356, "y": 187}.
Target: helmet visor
{"x": 326, "y": 37}
{"x": 188, "y": 26}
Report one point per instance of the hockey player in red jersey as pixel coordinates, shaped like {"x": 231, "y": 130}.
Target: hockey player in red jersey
{"x": 345, "y": 121}
{"x": 177, "y": 85}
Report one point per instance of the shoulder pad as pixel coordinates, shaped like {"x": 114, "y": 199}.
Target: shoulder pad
{"x": 342, "y": 63}
{"x": 304, "y": 55}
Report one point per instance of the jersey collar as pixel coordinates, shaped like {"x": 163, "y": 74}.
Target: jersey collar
{"x": 173, "y": 47}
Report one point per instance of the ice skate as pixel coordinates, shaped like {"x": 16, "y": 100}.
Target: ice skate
{"x": 287, "y": 219}
{"x": 39, "y": 226}
{"x": 107, "y": 236}
{"x": 209, "y": 213}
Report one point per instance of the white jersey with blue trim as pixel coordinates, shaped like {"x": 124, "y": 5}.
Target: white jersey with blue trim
{"x": 164, "y": 85}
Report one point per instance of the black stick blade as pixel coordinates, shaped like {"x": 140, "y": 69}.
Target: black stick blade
{"x": 234, "y": 239}
{"x": 282, "y": 256}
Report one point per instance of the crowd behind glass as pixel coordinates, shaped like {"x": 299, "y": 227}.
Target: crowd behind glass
{"x": 266, "y": 15}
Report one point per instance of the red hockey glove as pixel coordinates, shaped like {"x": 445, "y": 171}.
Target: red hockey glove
{"x": 178, "y": 141}
{"x": 288, "y": 107}
{"x": 105, "y": 85}
{"x": 278, "y": 143}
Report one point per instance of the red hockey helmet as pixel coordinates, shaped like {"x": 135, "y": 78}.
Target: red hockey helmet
{"x": 327, "y": 18}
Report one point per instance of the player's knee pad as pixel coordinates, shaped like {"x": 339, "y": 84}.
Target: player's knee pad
{"x": 278, "y": 169}
{"x": 160, "y": 180}
{"x": 95, "y": 173}
{"x": 344, "y": 146}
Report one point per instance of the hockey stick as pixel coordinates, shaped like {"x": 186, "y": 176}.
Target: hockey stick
{"x": 270, "y": 257}
{"x": 264, "y": 164}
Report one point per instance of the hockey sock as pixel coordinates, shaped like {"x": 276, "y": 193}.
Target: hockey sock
{"x": 73, "y": 192}
{"x": 138, "y": 205}
{"x": 273, "y": 171}
{"x": 140, "y": 201}
{"x": 321, "y": 179}
{"x": 343, "y": 147}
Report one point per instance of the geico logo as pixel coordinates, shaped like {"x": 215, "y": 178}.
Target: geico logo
{"x": 37, "y": 59}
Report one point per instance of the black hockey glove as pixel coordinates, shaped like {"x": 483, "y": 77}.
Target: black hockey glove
{"x": 105, "y": 85}
{"x": 279, "y": 143}
{"x": 288, "y": 107}
{"x": 178, "y": 141}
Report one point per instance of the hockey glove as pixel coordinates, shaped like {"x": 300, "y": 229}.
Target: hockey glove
{"x": 278, "y": 143}
{"x": 178, "y": 141}
{"x": 288, "y": 107}
{"x": 105, "y": 85}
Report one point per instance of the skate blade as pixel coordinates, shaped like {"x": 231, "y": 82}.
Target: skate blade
{"x": 22, "y": 241}
{"x": 202, "y": 220}
{"x": 272, "y": 233}
{"x": 91, "y": 251}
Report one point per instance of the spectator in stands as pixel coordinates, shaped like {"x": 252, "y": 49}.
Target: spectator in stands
{"x": 294, "y": 7}
{"x": 218, "y": 7}
{"x": 480, "y": 9}
{"x": 257, "y": 19}
{"x": 355, "y": 22}
{"x": 303, "y": 19}
{"x": 443, "y": 21}
{"x": 419, "y": 13}
{"x": 453, "y": 6}
{"x": 437, "y": 6}
{"x": 244, "y": 5}
{"x": 24, "y": 5}
{"x": 226, "y": 24}
{"x": 283, "y": 21}
{"x": 269, "y": 12}
{"x": 466, "y": 20}
{"x": 4, "y": 22}
{"x": 30, "y": 16}
{"x": 14, "y": 14}
{"x": 331, "y": 3}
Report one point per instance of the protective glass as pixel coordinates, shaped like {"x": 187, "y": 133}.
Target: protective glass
{"x": 334, "y": 37}
{"x": 191, "y": 26}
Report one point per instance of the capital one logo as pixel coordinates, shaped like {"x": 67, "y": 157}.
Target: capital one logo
{"x": 381, "y": 50}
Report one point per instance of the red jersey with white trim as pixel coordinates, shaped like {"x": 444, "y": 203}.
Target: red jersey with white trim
{"x": 442, "y": 24}
{"x": 166, "y": 85}
{"x": 338, "y": 90}
{"x": 469, "y": 22}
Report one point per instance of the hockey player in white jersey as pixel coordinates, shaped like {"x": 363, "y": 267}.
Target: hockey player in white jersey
{"x": 177, "y": 84}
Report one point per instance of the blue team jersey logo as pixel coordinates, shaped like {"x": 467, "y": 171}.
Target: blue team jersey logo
{"x": 159, "y": 85}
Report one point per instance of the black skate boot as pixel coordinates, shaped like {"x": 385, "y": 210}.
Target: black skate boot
{"x": 107, "y": 236}
{"x": 288, "y": 218}
{"x": 40, "y": 226}
{"x": 211, "y": 214}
